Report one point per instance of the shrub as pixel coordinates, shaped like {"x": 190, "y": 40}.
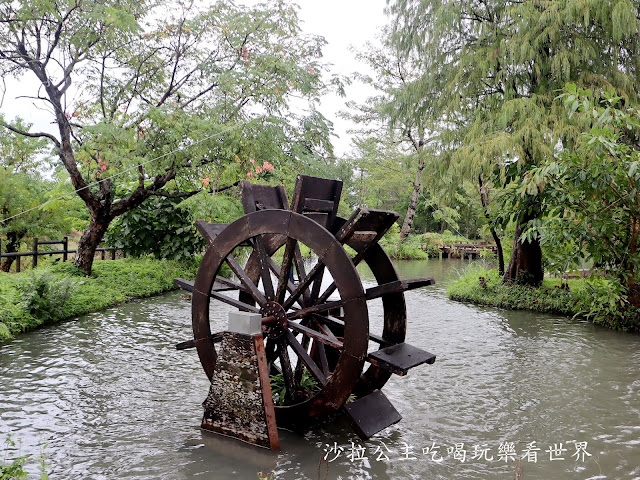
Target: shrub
{"x": 44, "y": 295}
{"x": 156, "y": 227}
{"x": 408, "y": 249}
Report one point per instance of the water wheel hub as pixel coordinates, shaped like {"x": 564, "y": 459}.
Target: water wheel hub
{"x": 274, "y": 320}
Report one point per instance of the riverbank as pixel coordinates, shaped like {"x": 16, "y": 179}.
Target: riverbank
{"x": 58, "y": 292}
{"x": 594, "y": 299}
{"x": 417, "y": 246}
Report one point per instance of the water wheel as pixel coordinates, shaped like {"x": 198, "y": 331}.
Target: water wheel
{"x": 314, "y": 307}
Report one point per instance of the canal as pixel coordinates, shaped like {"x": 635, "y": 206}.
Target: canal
{"x": 511, "y": 395}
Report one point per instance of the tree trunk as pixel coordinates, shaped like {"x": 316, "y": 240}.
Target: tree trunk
{"x": 90, "y": 241}
{"x": 13, "y": 244}
{"x": 496, "y": 238}
{"x": 413, "y": 203}
{"x": 525, "y": 266}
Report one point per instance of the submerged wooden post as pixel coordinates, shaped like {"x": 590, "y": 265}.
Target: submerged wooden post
{"x": 240, "y": 404}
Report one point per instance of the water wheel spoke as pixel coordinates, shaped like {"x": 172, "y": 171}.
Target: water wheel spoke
{"x": 245, "y": 307}
{"x": 304, "y": 357}
{"x": 339, "y": 323}
{"x": 246, "y": 281}
{"x": 271, "y": 350}
{"x": 323, "y": 307}
{"x": 324, "y": 328}
{"x": 316, "y": 335}
{"x": 229, "y": 284}
{"x": 317, "y": 270}
{"x": 287, "y": 264}
{"x": 299, "y": 366}
{"x": 287, "y": 371}
{"x": 322, "y": 355}
{"x": 317, "y": 283}
{"x": 265, "y": 274}
{"x": 329, "y": 290}
{"x": 289, "y": 285}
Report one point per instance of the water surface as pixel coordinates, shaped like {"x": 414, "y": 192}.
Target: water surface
{"x": 112, "y": 398}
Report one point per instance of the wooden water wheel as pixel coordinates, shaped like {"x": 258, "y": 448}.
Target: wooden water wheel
{"x": 314, "y": 307}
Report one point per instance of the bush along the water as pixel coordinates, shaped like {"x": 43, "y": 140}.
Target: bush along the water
{"x": 13, "y": 468}
{"x": 596, "y": 298}
{"x": 60, "y": 291}
{"x": 408, "y": 249}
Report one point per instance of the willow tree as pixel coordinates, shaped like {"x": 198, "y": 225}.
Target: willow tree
{"x": 144, "y": 94}
{"x": 491, "y": 71}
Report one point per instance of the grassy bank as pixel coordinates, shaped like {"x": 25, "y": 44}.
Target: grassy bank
{"x": 417, "y": 246}
{"x": 595, "y": 299}
{"x": 57, "y": 292}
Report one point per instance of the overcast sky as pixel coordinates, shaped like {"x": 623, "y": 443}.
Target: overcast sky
{"x": 343, "y": 23}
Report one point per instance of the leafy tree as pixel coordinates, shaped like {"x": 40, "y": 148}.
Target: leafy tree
{"x": 22, "y": 189}
{"x": 592, "y": 189}
{"x": 149, "y": 95}
{"x": 389, "y": 117}
{"x": 489, "y": 73}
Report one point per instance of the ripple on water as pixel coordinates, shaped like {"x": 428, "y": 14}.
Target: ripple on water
{"x": 112, "y": 397}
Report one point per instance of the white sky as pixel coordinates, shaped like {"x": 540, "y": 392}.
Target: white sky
{"x": 343, "y": 23}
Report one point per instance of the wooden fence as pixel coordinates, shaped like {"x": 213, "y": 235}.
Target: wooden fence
{"x": 38, "y": 253}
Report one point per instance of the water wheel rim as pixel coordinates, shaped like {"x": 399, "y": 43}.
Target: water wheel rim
{"x": 330, "y": 252}
{"x": 393, "y": 304}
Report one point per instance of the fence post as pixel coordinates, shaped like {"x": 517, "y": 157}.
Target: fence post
{"x": 34, "y": 262}
{"x": 17, "y": 264}
{"x": 65, "y": 247}
{"x": 102, "y": 255}
{"x": 113, "y": 254}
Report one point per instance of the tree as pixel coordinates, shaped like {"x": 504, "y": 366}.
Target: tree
{"x": 22, "y": 189}
{"x": 139, "y": 91}
{"x": 490, "y": 71}
{"x": 390, "y": 117}
{"x": 592, "y": 189}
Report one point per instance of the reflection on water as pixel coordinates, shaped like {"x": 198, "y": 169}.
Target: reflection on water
{"x": 112, "y": 398}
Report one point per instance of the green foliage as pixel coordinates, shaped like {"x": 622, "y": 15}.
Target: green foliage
{"x": 485, "y": 74}
{"x": 212, "y": 208}
{"x": 44, "y": 294}
{"x": 157, "y": 227}
{"x": 601, "y": 302}
{"x": 479, "y": 285}
{"x": 171, "y": 94}
{"x": 596, "y": 298}
{"x": 21, "y": 189}
{"x": 14, "y": 469}
{"x": 408, "y": 249}
{"x": 308, "y": 385}
{"x": 112, "y": 282}
{"x": 591, "y": 189}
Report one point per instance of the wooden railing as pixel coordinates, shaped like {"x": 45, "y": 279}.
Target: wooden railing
{"x": 38, "y": 253}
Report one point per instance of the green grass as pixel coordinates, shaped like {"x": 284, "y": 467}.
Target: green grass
{"x": 417, "y": 246}
{"x": 593, "y": 299}
{"x": 47, "y": 295}
{"x": 484, "y": 287}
